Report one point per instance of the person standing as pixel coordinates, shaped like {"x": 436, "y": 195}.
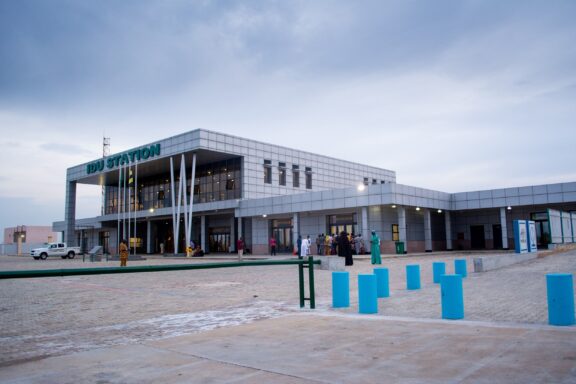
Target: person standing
{"x": 240, "y": 248}
{"x": 358, "y": 244}
{"x": 334, "y": 244}
{"x": 375, "y": 249}
{"x": 123, "y": 253}
{"x": 304, "y": 248}
{"x": 344, "y": 249}
{"x": 299, "y": 244}
{"x": 273, "y": 246}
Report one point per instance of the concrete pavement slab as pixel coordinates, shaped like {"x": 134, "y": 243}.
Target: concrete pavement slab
{"x": 244, "y": 325}
{"x": 327, "y": 348}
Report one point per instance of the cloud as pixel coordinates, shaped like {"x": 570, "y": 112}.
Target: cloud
{"x": 453, "y": 95}
{"x": 64, "y": 148}
{"x": 23, "y": 211}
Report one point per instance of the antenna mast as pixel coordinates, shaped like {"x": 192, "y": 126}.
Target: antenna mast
{"x": 105, "y": 153}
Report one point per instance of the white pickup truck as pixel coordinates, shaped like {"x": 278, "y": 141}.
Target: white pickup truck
{"x": 55, "y": 249}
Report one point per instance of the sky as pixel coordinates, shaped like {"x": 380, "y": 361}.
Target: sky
{"x": 453, "y": 95}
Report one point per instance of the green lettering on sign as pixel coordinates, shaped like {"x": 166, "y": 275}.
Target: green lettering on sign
{"x": 111, "y": 162}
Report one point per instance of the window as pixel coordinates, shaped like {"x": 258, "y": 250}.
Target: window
{"x": 395, "y": 232}
{"x": 295, "y": 176}
{"x": 365, "y": 181}
{"x": 268, "y": 171}
{"x": 282, "y": 172}
{"x": 374, "y": 181}
{"x": 308, "y": 178}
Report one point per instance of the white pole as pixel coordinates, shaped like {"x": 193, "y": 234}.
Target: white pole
{"x": 183, "y": 187}
{"x": 178, "y": 208}
{"x": 135, "y": 203}
{"x": 124, "y": 203}
{"x": 118, "y": 211}
{"x": 192, "y": 182}
{"x": 130, "y": 177}
{"x": 174, "y": 229}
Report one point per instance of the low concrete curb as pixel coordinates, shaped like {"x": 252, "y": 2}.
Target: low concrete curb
{"x": 331, "y": 263}
{"x": 489, "y": 263}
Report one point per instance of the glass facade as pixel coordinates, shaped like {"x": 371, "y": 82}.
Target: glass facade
{"x": 214, "y": 182}
{"x": 281, "y": 230}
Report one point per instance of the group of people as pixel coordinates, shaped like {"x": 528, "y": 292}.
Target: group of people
{"x": 344, "y": 245}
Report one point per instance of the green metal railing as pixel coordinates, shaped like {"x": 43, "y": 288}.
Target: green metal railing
{"x": 302, "y": 263}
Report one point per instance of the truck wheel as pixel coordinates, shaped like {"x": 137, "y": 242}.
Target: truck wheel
{"x": 43, "y": 255}
{"x": 71, "y": 254}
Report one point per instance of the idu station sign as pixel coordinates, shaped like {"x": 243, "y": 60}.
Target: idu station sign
{"x": 126, "y": 158}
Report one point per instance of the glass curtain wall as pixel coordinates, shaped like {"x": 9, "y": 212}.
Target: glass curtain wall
{"x": 214, "y": 182}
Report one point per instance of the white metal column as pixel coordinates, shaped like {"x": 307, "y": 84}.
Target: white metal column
{"x": 148, "y": 236}
{"x": 175, "y": 218}
{"x": 402, "y": 227}
{"x": 427, "y": 231}
{"x": 504, "y": 228}
{"x": 189, "y": 231}
{"x": 203, "y": 233}
{"x": 365, "y": 230}
{"x": 70, "y": 214}
{"x": 232, "y": 234}
{"x": 239, "y": 231}
{"x": 448, "y": 223}
{"x": 295, "y": 230}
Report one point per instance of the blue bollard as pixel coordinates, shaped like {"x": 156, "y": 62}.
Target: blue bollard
{"x": 560, "y": 298}
{"x": 340, "y": 289}
{"x": 452, "y": 297}
{"x": 460, "y": 267}
{"x": 438, "y": 269}
{"x": 382, "y": 282}
{"x": 367, "y": 297}
{"x": 413, "y": 276}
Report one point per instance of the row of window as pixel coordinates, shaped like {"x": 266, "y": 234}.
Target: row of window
{"x": 282, "y": 174}
{"x": 374, "y": 181}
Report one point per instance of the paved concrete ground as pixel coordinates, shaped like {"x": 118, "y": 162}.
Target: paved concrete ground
{"x": 244, "y": 325}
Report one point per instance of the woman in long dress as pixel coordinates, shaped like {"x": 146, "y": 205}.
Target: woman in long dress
{"x": 375, "y": 249}
{"x": 344, "y": 248}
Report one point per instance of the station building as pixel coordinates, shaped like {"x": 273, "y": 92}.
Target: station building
{"x": 212, "y": 188}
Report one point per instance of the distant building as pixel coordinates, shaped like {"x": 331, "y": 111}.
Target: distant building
{"x": 22, "y": 238}
{"x": 30, "y": 234}
{"x": 212, "y": 188}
